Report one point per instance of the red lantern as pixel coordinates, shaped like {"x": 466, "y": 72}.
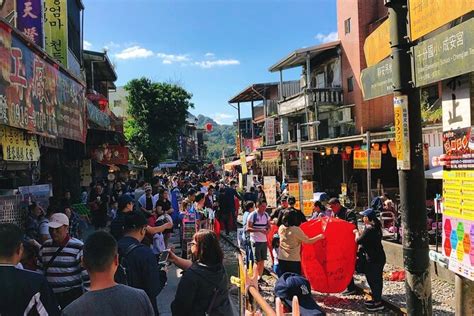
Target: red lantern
{"x": 348, "y": 150}
{"x": 356, "y": 147}
{"x": 208, "y": 127}
{"x": 345, "y": 156}
{"x": 384, "y": 148}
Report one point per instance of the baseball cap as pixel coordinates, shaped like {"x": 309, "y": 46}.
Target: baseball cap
{"x": 284, "y": 198}
{"x": 134, "y": 220}
{"x": 57, "y": 220}
{"x": 147, "y": 187}
{"x": 370, "y": 213}
{"x": 292, "y": 284}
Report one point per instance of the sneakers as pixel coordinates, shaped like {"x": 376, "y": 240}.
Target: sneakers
{"x": 374, "y": 306}
{"x": 348, "y": 292}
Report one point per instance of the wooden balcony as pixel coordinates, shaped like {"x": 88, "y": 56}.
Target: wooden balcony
{"x": 327, "y": 96}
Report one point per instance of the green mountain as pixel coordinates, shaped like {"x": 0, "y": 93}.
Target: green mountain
{"x": 221, "y": 138}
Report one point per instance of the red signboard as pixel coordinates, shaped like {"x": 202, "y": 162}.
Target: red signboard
{"x": 111, "y": 155}
{"x": 251, "y": 145}
{"x": 35, "y": 94}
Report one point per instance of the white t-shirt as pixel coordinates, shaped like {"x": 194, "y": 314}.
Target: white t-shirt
{"x": 258, "y": 221}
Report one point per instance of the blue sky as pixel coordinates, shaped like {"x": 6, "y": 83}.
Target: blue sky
{"x": 213, "y": 48}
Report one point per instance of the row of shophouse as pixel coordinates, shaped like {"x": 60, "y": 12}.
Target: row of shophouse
{"x": 350, "y": 122}
{"x": 57, "y": 127}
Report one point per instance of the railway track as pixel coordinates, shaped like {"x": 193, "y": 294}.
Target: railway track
{"x": 390, "y": 307}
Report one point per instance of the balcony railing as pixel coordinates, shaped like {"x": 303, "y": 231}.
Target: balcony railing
{"x": 327, "y": 96}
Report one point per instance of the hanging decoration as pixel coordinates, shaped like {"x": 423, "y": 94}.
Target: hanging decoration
{"x": 356, "y": 147}
{"x": 348, "y": 150}
{"x": 392, "y": 145}
{"x": 376, "y": 146}
{"x": 384, "y": 148}
{"x": 328, "y": 151}
{"x": 345, "y": 156}
{"x": 335, "y": 150}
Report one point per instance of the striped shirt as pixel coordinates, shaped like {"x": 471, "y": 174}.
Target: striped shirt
{"x": 259, "y": 222}
{"x": 65, "y": 272}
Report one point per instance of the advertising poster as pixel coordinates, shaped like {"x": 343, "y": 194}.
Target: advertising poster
{"x": 360, "y": 159}
{"x": 11, "y": 210}
{"x": 55, "y": 30}
{"x": 293, "y": 189}
{"x": 269, "y": 187}
{"x": 30, "y": 19}
{"x": 111, "y": 155}
{"x": 243, "y": 162}
{"x": 402, "y": 138}
{"x": 36, "y": 95}
{"x": 36, "y": 193}
{"x": 17, "y": 145}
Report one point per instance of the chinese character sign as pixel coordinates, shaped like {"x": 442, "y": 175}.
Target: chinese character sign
{"x": 55, "y": 29}
{"x": 402, "y": 138}
{"x": 269, "y": 187}
{"x": 18, "y": 145}
{"x": 35, "y": 94}
{"x": 30, "y": 19}
{"x": 456, "y": 103}
{"x": 360, "y": 159}
{"x": 269, "y": 131}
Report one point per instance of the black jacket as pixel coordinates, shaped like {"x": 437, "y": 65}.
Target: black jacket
{"x": 347, "y": 215}
{"x": 371, "y": 242}
{"x": 196, "y": 290}
{"x": 117, "y": 225}
{"x": 143, "y": 271}
{"x": 19, "y": 288}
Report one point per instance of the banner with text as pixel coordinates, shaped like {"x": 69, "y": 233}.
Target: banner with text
{"x": 55, "y": 29}
{"x": 360, "y": 159}
{"x": 30, "y": 19}
{"x": 35, "y": 94}
{"x": 269, "y": 187}
{"x": 18, "y": 145}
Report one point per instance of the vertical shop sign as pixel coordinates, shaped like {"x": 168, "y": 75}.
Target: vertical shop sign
{"x": 269, "y": 187}
{"x": 30, "y": 19}
{"x": 456, "y": 103}
{"x": 269, "y": 131}
{"x": 402, "y": 138}
{"x": 55, "y": 29}
{"x": 308, "y": 168}
{"x": 17, "y": 145}
{"x": 243, "y": 162}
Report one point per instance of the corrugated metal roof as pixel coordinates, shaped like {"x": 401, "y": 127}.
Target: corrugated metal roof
{"x": 298, "y": 57}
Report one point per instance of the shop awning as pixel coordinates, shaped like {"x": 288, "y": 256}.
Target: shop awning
{"x": 270, "y": 155}
{"x": 435, "y": 173}
{"x": 229, "y": 165}
{"x": 292, "y": 104}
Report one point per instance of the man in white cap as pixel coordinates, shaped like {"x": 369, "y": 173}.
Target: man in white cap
{"x": 60, "y": 259}
{"x": 148, "y": 201}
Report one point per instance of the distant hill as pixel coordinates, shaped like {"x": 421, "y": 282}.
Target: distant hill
{"x": 221, "y": 137}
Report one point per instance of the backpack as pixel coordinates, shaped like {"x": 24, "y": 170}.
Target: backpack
{"x": 254, "y": 217}
{"x": 121, "y": 276}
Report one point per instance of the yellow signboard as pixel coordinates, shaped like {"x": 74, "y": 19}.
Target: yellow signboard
{"x": 402, "y": 138}
{"x": 377, "y": 44}
{"x": 56, "y": 30}
{"x": 428, "y": 15}
{"x": 293, "y": 188}
{"x": 18, "y": 145}
{"x": 243, "y": 162}
{"x": 307, "y": 207}
{"x": 458, "y": 194}
{"x": 360, "y": 159}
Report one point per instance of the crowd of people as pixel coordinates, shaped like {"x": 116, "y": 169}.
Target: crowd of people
{"x": 109, "y": 262}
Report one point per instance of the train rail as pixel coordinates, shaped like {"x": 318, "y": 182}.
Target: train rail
{"x": 390, "y": 307}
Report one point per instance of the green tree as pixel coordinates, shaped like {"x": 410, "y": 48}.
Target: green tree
{"x": 158, "y": 112}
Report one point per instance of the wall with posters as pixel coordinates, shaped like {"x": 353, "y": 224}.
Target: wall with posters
{"x": 35, "y": 94}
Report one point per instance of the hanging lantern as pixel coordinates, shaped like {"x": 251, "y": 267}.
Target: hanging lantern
{"x": 306, "y": 157}
{"x": 356, "y": 147}
{"x": 335, "y": 150}
{"x": 384, "y": 148}
{"x": 345, "y": 156}
{"x": 376, "y": 146}
{"x": 348, "y": 150}
{"x": 208, "y": 127}
{"x": 322, "y": 153}
{"x": 392, "y": 145}
{"x": 328, "y": 151}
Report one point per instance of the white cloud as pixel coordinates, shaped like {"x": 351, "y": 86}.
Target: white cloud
{"x": 324, "y": 38}
{"x": 134, "y": 52}
{"x": 87, "y": 45}
{"x": 216, "y": 63}
{"x": 210, "y": 55}
{"x": 170, "y": 58}
{"x": 112, "y": 46}
{"x": 223, "y": 118}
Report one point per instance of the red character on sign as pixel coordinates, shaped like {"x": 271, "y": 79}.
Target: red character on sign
{"x": 18, "y": 68}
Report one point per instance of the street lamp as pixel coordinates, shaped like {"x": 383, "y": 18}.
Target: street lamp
{"x": 300, "y": 160}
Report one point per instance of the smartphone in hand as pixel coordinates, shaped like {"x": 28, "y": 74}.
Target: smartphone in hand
{"x": 163, "y": 259}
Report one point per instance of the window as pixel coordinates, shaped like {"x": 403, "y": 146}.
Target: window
{"x": 347, "y": 26}
{"x": 350, "y": 84}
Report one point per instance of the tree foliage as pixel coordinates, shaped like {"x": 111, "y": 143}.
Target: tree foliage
{"x": 158, "y": 112}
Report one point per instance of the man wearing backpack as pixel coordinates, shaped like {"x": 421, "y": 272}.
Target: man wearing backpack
{"x": 258, "y": 224}
{"x": 138, "y": 267}
{"x": 106, "y": 297}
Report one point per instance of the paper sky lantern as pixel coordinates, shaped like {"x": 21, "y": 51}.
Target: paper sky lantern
{"x": 376, "y": 146}
{"x": 328, "y": 151}
{"x": 348, "y": 150}
{"x": 329, "y": 264}
{"x": 392, "y": 145}
{"x": 208, "y": 127}
{"x": 384, "y": 148}
{"x": 335, "y": 150}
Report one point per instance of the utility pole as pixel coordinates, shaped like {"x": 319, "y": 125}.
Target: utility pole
{"x": 411, "y": 169}
{"x": 300, "y": 165}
